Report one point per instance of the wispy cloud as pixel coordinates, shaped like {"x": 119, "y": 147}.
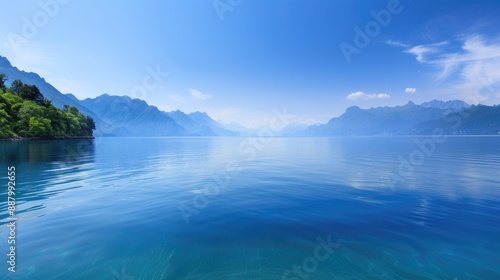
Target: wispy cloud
{"x": 359, "y": 95}
{"x": 198, "y": 95}
{"x": 422, "y": 51}
{"x": 476, "y": 65}
{"x": 396, "y": 43}
{"x": 410, "y": 90}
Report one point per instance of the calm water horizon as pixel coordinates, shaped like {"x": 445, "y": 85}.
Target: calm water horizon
{"x": 251, "y": 208}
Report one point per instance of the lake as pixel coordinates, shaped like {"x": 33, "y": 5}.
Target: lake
{"x": 250, "y": 208}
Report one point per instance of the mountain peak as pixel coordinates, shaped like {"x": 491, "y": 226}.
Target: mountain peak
{"x": 71, "y": 96}
{"x": 454, "y": 105}
{"x": 199, "y": 113}
{"x": 353, "y": 109}
{"x": 5, "y": 62}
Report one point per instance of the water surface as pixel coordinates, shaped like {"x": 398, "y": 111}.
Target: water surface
{"x": 238, "y": 208}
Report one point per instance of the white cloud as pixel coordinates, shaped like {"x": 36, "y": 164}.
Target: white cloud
{"x": 396, "y": 43}
{"x": 476, "y": 65}
{"x": 383, "y": 95}
{"x": 198, "y": 95}
{"x": 423, "y": 51}
{"x": 410, "y": 90}
{"x": 359, "y": 95}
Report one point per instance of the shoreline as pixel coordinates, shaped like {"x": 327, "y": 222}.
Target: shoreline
{"x": 20, "y": 138}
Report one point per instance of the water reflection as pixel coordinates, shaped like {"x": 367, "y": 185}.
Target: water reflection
{"x": 44, "y": 169}
{"x": 113, "y": 205}
{"x": 43, "y": 151}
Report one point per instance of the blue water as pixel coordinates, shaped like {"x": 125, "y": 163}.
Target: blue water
{"x": 238, "y": 208}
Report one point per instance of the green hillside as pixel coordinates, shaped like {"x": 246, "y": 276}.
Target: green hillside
{"x": 24, "y": 112}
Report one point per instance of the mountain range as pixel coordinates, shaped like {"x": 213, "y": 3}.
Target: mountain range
{"x": 124, "y": 116}
{"x": 121, "y": 115}
{"x": 452, "y": 117}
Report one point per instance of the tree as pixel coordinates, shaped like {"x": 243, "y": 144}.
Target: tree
{"x": 5, "y": 121}
{"x": 56, "y": 117}
{"x": 3, "y": 78}
{"x": 39, "y": 127}
{"x": 31, "y": 93}
{"x": 25, "y": 112}
{"x": 72, "y": 110}
{"x": 47, "y": 103}
{"x": 29, "y": 109}
{"x": 16, "y": 86}
{"x": 90, "y": 124}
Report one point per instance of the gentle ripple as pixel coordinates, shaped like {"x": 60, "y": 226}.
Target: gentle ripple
{"x": 222, "y": 208}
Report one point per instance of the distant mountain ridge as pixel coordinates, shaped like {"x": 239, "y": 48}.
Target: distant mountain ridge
{"x": 50, "y": 92}
{"x": 203, "y": 119}
{"x": 121, "y": 115}
{"x": 453, "y": 117}
{"x": 474, "y": 120}
{"x": 453, "y": 105}
{"x": 191, "y": 125}
{"x": 135, "y": 117}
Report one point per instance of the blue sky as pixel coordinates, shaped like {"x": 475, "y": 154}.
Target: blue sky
{"x": 240, "y": 59}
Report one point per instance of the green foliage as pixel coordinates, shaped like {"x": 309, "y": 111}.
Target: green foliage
{"x": 29, "y": 92}
{"x": 5, "y": 125}
{"x": 16, "y": 87}
{"x": 11, "y": 99}
{"x": 38, "y": 126}
{"x": 25, "y": 112}
{"x": 3, "y": 78}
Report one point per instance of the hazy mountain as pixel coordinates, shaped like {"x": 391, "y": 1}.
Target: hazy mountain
{"x": 292, "y": 128}
{"x": 454, "y": 117}
{"x": 204, "y": 120}
{"x": 375, "y": 121}
{"x": 454, "y": 105}
{"x": 189, "y": 124}
{"x": 71, "y": 96}
{"x": 134, "y": 117}
{"x": 122, "y": 116}
{"x": 283, "y": 131}
{"x": 475, "y": 120}
{"x": 236, "y": 127}
{"x": 50, "y": 92}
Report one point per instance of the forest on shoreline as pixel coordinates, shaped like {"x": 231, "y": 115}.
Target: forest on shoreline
{"x": 26, "y": 113}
